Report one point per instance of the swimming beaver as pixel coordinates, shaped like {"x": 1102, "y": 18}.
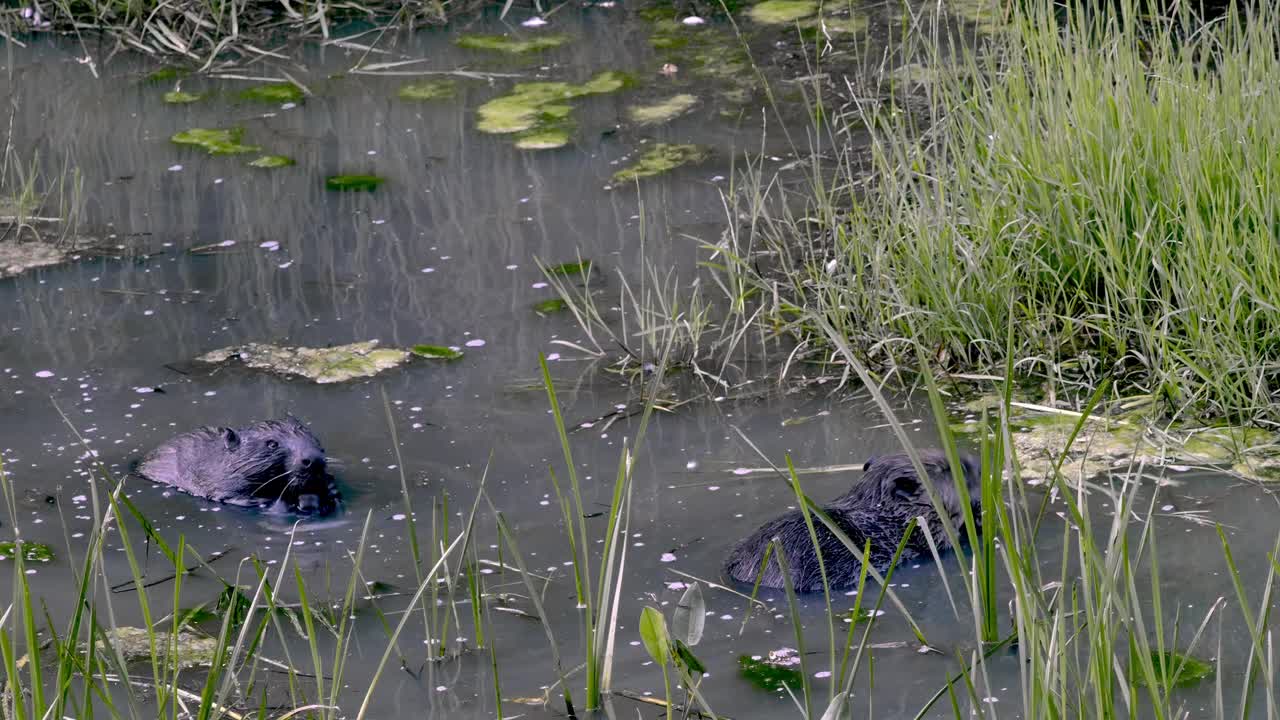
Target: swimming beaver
{"x": 879, "y": 507}
{"x": 275, "y": 463}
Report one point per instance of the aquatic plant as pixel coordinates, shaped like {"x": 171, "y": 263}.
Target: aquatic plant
{"x": 778, "y": 12}
{"x": 511, "y": 45}
{"x": 214, "y": 141}
{"x": 661, "y": 158}
{"x": 428, "y": 90}
{"x": 353, "y": 183}
{"x": 540, "y": 111}
{"x": 274, "y": 93}
{"x": 272, "y": 161}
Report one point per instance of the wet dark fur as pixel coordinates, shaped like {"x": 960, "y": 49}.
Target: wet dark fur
{"x": 274, "y": 463}
{"x": 878, "y": 508}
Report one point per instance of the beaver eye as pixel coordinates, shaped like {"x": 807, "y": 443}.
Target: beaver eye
{"x": 273, "y": 445}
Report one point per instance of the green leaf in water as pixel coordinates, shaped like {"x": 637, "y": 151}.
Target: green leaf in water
{"x": 766, "y": 675}
{"x": 661, "y": 158}
{"x": 1183, "y": 670}
{"x": 510, "y": 45}
{"x": 180, "y": 97}
{"x": 31, "y": 552}
{"x": 436, "y": 351}
{"x": 272, "y": 161}
{"x": 273, "y": 92}
{"x": 653, "y": 632}
{"x": 551, "y": 306}
{"x": 428, "y": 90}
{"x": 353, "y": 183}
{"x": 566, "y": 269}
{"x": 215, "y": 142}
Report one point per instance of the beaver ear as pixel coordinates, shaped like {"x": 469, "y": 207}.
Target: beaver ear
{"x": 906, "y": 486}
{"x": 229, "y": 438}
{"x": 867, "y": 465}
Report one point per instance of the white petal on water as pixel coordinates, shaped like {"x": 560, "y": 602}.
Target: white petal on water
{"x": 693, "y": 20}
{"x": 534, "y": 22}
{"x": 475, "y": 343}
{"x": 44, "y": 374}
{"x": 175, "y": 168}
{"x": 742, "y": 471}
{"x": 667, "y": 557}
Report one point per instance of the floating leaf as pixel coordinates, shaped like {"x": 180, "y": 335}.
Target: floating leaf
{"x": 428, "y": 90}
{"x": 661, "y": 158}
{"x": 272, "y": 161}
{"x": 273, "y": 92}
{"x": 1182, "y": 670}
{"x": 31, "y": 552}
{"x": 567, "y": 269}
{"x": 766, "y": 675}
{"x": 180, "y": 97}
{"x": 690, "y": 615}
{"x": 353, "y": 183}
{"x": 436, "y": 351}
{"x": 507, "y": 44}
{"x": 653, "y": 632}
{"x": 215, "y": 142}
{"x": 550, "y": 306}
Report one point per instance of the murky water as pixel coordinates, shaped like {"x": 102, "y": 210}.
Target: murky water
{"x": 444, "y": 253}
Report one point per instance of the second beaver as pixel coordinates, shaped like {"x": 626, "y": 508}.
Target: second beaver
{"x": 878, "y": 508}
{"x": 276, "y": 464}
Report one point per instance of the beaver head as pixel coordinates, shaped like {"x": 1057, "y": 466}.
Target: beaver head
{"x": 890, "y": 483}
{"x": 276, "y": 463}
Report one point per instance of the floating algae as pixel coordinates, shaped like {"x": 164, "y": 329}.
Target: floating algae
{"x": 510, "y": 45}
{"x": 215, "y": 142}
{"x": 540, "y": 110}
{"x": 134, "y": 644}
{"x": 664, "y": 111}
{"x": 272, "y": 161}
{"x": 661, "y": 158}
{"x": 779, "y": 12}
{"x": 273, "y": 92}
{"x": 353, "y": 183}
{"x": 180, "y": 97}
{"x": 428, "y": 90}
{"x": 320, "y": 365}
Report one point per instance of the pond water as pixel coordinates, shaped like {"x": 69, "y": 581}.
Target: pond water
{"x": 443, "y": 253}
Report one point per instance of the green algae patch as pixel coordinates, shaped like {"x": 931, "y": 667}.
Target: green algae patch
{"x": 778, "y": 671}
{"x": 320, "y": 365}
{"x": 554, "y": 305}
{"x": 353, "y": 183}
{"x": 428, "y": 90}
{"x": 273, "y": 93}
{"x": 664, "y": 111}
{"x": 272, "y": 161}
{"x": 546, "y": 139}
{"x": 180, "y": 97}
{"x": 661, "y": 158}
{"x": 837, "y": 24}
{"x": 134, "y": 644}
{"x": 511, "y": 45}
{"x": 166, "y": 74}
{"x": 31, "y": 552}
{"x": 436, "y": 352}
{"x": 780, "y": 12}
{"x": 215, "y": 142}
{"x": 540, "y": 110}
{"x": 568, "y": 269}
{"x": 1175, "y": 669}
{"x": 985, "y": 15}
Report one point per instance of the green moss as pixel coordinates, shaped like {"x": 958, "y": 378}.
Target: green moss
{"x": 272, "y": 161}
{"x": 778, "y": 12}
{"x": 31, "y": 552}
{"x": 540, "y": 111}
{"x": 437, "y": 352}
{"x": 664, "y": 111}
{"x": 178, "y": 97}
{"x": 771, "y": 676}
{"x": 321, "y": 365}
{"x": 353, "y": 183}
{"x": 273, "y": 92}
{"x": 659, "y": 159}
{"x": 215, "y": 142}
{"x": 510, "y": 45}
{"x": 428, "y": 90}
{"x": 574, "y": 268}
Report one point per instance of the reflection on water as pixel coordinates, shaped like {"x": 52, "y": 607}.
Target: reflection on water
{"x": 443, "y": 253}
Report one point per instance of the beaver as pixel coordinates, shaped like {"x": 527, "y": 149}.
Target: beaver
{"x": 276, "y": 464}
{"x": 878, "y": 508}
